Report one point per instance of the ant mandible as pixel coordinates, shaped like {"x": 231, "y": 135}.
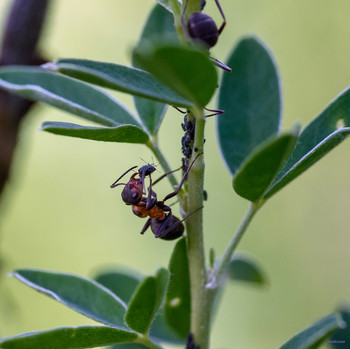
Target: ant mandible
{"x": 163, "y": 223}
{"x": 201, "y": 27}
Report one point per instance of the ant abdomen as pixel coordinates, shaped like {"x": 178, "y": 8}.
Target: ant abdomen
{"x": 202, "y": 28}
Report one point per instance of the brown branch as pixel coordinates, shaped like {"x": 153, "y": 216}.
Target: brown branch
{"x": 19, "y": 47}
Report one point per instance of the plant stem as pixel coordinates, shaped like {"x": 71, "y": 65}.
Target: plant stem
{"x": 200, "y": 307}
{"x": 220, "y": 270}
{"x": 153, "y": 145}
{"x": 148, "y": 343}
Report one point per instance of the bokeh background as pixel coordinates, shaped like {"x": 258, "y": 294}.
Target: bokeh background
{"x": 58, "y": 212}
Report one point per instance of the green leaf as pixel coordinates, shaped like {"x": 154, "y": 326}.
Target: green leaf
{"x": 251, "y": 98}
{"x": 124, "y": 133}
{"x": 125, "y": 79}
{"x": 260, "y": 168}
{"x": 323, "y": 134}
{"x": 244, "y": 268}
{"x": 121, "y": 282}
{"x": 69, "y": 338}
{"x": 146, "y": 301}
{"x": 313, "y": 336}
{"x": 167, "y": 4}
{"x": 160, "y": 25}
{"x": 65, "y": 93}
{"x": 177, "y": 307}
{"x": 83, "y": 295}
{"x": 340, "y": 338}
{"x": 187, "y": 71}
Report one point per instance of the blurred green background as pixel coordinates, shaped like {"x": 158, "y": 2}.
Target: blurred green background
{"x": 58, "y": 212}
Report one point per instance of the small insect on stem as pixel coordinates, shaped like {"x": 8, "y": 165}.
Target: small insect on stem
{"x": 202, "y": 28}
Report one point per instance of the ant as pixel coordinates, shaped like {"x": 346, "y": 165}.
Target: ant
{"x": 201, "y": 27}
{"x": 163, "y": 223}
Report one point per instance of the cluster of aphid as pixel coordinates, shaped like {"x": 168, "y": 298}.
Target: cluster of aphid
{"x": 190, "y": 344}
{"x": 163, "y": 223}
{"x": 188, "y": 127}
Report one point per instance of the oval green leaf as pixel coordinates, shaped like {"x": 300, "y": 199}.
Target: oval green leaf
{"x": 187, "y": 71}
{"x": 146, "y": 302}
{"x": 340, "y": 338}
{"x": 323, "y": 134}
{"x": 246, "y": 269}
{"x": 121, "y": 282}
{"x": 260, "y": 168}
{"x": 177, "y": 307}
{"x": 125, "y": 79}
{"x": 65, "y": 93}
{"x": 251, "y": 99}
{"x": 121, "y": 134}
{"x": 160, "y": 25}
{"x": 124, "y": 283}
{"x": 69, "y": 338}
{"x": 82, "y": 295}
{"x": 313, "y": 336}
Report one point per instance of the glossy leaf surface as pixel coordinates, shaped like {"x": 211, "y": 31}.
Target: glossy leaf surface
{"x": 260, "y": 168}
{"x": 124, "y": 133}
{"x": 160, "y": 25}
{"x": 251, "y": 98}
{"x": 313, "y": 336}
{"x": 246, "y": 269}
{"x": 323, "y": 134}
{"x": 187, "y": 71}
{"x": 125, "y": 79}
{"x": 65, "y": 93}
{"x": 69, "y": 338}
{"x": 82, "y": 295}
{"x": 146, "y": 302}
{"x": 178, "y": 297}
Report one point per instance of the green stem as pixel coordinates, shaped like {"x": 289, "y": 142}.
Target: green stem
{"x": 163, "y": 162}
{"x": 220, "y": 270}
{"x": 148, "y": 343}
{"x": 200, "y": 307}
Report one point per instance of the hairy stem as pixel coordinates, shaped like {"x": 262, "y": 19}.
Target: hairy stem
{"x": 200, "y": 307}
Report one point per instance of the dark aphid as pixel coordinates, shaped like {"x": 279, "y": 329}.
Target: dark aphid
{"x": 205, "y": 195}
{"x": 190, "y": 343}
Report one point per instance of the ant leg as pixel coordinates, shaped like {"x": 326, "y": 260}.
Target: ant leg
{"x": 164, "y": 175}
{"x": 178, "y": 109}
{"x": 169, "y": 196}
{"x": 115, "y": 183}
{"x": 220, "y": 64}
{"x": 223, "y": 16}
{"x": 164, "y": 229}
{"x": 215, "y": 112}
{"x": 151, "y": 197}
{"x": 146, "y": 226}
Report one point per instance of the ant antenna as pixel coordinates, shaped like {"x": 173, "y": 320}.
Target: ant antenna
{"x": 115, "y": 183}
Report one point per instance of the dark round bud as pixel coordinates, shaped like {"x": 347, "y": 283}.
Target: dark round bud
{"x": 202, "y": 27}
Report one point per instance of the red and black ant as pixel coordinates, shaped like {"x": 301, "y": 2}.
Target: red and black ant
{"x": 163, "y": 223}
{"x": 202, "y": 28}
